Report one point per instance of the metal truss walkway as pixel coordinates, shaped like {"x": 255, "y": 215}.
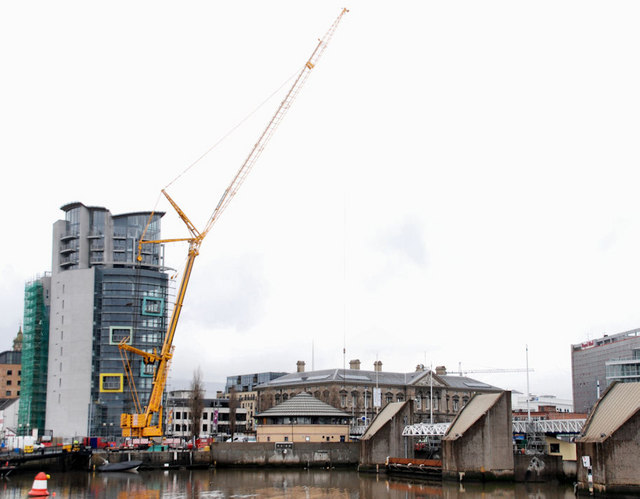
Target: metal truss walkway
{"x": 565, "y": 426}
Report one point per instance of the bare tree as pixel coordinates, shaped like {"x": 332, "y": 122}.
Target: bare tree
{"x": 233, "y": 404}
{"x": 196, "y": 402}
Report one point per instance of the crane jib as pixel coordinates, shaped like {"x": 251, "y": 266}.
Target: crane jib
{"x": 149, "y": 423}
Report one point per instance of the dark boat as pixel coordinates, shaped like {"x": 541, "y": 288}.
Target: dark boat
{"x": 122, "y": 466}
{"x": 6, "y": 469}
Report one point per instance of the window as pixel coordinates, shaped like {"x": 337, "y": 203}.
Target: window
{"x": 8, "y": 393}
{"x": 388, "y": 398}
{"x": 456, "y": 404}
{"x": 9, "y": 372}
{"x": 204, "y": 416}
{"x": 146, "y": 369}
{"x": 111, "y": 382}
{"x": 118, "y": 333}
{"x": 152, "y": 306}
{"x": 418, "y": 402}
{"x": 343, "y": 399}
{"x": 204, "y": 427}
{"x": 8, "y": 382}
{"x": 554, "y": 448}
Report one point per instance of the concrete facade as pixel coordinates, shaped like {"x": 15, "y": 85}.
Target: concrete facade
{"x": 298, "y": 454}
{"x": 608, "y": 449}
{"x": 384, "y": 437}
{"x": 70, "y": 351}
{"x": 479, "y": 442}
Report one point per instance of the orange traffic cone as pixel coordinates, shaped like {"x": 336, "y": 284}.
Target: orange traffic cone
{"x": 39, "y": 487}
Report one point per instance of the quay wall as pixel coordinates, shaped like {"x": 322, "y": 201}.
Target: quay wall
{"x": 543, "y": 468}
{"x": 303, "y": 454}
{"x": 155, "y": 459}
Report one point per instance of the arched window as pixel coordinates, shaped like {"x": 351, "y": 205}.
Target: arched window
{"x": 400, "y": 397}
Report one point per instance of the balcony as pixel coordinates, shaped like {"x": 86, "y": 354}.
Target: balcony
{"x": 68, "y": 247}
{"x": 96, "y": 245}
{"x": 69, "y": 260}
{"x": 68, "y": 235}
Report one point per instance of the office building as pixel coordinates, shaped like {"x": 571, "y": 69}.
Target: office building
{"x": 248, "y": 382}
{"x": 595, "y": 364}
{"x": 220, "y": 417}
{"x": 101, "y": 295}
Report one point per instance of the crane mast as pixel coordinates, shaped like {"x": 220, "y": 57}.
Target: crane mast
{"x": 147, "y": 422}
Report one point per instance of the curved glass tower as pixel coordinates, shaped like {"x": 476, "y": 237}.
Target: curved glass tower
{"x": 101, "y": 295}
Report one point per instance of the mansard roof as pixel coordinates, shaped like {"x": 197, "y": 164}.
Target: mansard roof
{"x": 362, "y": 377}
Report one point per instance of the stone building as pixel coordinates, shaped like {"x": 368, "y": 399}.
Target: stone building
{"x": 437, "y": 396}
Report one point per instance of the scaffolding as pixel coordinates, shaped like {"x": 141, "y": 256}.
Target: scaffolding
{"x": 35, "y": 349}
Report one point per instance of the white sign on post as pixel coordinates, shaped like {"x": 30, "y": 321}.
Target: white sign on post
{"x": 586, "y": 461}
{"x": 377, "y": 397}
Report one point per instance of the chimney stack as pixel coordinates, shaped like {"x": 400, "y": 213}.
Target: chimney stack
{"x": 420, "y": 367}
{"x": 441, "y": 370}
{"x": 354, "y": 364}
{"x": 377, "y": 366}
{"x": 300, "y": 366}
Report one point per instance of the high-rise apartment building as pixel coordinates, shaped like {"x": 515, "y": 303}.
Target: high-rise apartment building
{"x": 100, "y": 296}
{"x": 35, "y": 356}
{"x": 595, "y": 364}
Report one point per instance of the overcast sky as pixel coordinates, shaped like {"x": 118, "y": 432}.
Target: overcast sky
{"x": 456, "y": 180}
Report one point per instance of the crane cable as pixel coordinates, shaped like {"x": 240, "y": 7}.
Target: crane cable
{"x": 218, "y": 142}
{"x": 234, "y": 128}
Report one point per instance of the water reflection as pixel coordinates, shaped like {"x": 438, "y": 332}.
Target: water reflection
{"x": 292, "y": 484}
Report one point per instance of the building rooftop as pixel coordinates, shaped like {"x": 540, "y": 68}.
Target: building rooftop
{"x": 11, "y": 357}
{"x": 303, "y": 404}
{"x": 359, "y": 376}
{"x": 618, "y": 404}
{"x": 477, "y": 407}
{"x": 382, "y": 418}
{"x": 607, "y": 339}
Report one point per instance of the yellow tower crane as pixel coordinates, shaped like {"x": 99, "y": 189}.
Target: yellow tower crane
{"x": 147, "y": 421}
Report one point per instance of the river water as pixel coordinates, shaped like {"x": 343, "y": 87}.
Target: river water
{"x": 255, "y": 483}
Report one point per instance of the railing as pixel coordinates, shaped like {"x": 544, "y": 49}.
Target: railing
{"x": 539, "y": 426}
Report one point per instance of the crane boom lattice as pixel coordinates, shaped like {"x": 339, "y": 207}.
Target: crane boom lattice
{"x": 148, "y": 422}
